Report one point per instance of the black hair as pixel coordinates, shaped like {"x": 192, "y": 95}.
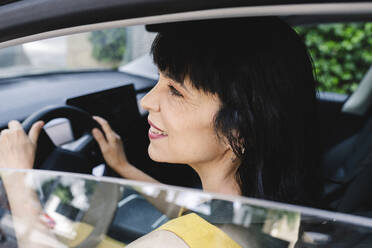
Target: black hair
{"x": 263, "y": 75}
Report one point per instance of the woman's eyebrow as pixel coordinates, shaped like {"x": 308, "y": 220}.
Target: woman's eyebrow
{"x": 168, "y": 75}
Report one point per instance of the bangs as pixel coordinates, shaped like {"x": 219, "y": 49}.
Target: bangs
{"x": 169, "y": 59}
{"x": 179, "y": 56}
{"x": 196, "y": 50}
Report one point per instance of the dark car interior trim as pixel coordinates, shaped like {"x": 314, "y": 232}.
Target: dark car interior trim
{"x": 26, "y": 18}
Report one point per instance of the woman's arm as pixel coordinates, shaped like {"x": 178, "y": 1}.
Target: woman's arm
{"x": 113, "y": 152}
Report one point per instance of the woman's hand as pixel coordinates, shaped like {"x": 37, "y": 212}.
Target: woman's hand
{"x": 110, "y": 144}
{"x": 113, "y": 152}
{"x": 17, "y": 149}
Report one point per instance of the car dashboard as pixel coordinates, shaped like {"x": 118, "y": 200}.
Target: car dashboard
{"x": 22, "y": 96}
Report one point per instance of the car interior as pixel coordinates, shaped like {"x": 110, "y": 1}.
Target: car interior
{"x": 69, "y": 98}
{"x": 345, "y": 130}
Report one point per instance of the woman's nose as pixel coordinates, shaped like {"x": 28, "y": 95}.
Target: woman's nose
{"x": 150, "y": 101}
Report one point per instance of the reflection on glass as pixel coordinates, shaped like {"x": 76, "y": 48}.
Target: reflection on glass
{"x": 84, "y": 211}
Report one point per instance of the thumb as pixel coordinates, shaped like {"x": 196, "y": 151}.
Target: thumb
{"x": 35, "y": 131}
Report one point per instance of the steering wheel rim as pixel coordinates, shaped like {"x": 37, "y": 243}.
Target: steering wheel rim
{"x": 52, "y": 112}
{"x": 81, "y": 123}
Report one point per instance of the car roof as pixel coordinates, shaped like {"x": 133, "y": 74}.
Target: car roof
{"x": 24, "y": 18}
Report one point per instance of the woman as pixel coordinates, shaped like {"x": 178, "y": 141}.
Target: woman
{"x": 235, "y": 100}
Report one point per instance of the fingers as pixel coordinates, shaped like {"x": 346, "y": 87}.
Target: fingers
{"x": 14, "y": 125}
{"x": 17, "y": 126}
{"x": 35, "y": 131}
{"x": 3, "y": 133}
{"x": 100, "y": 138}
{"x": 104, "y": 124}
{"x": 109, "y": 133}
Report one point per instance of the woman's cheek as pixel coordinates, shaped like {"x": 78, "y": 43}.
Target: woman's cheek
{"x": 180, "y": 135}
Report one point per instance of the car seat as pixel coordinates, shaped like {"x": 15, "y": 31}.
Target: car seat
{"x": 348, "y": 173}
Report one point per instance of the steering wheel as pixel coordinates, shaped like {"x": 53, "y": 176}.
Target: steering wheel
{"x": 82, "y": 156}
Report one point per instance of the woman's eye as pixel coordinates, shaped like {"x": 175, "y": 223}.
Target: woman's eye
{"x": 174, "y": 91}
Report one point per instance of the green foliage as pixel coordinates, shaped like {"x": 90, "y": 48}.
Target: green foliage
{"x": 108, "y": 45}
{"x": 53, "y": 186}
{"x": 63, "y": 193}
{"x": 342, "y": 54}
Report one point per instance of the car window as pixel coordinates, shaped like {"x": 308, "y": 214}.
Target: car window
{"x": 341, "y": 54}
{"x": 87, "y": 211}
{"x": 96, "y": 50}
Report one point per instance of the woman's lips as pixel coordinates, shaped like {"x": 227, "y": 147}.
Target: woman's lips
{"x": 155, "y": 132}
{"x": 153, "y": 125}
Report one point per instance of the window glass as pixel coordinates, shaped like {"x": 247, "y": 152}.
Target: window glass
{"x": 341, "y": 53}
{"x": 74, "y": 210}
{"x": 96, "y": 50}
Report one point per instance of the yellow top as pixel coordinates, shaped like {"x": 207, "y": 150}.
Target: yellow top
{"x": 198, "y": 233}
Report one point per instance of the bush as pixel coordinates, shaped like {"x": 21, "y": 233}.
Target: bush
{"x": 108, "y": 45}
{"x": 341, "y": 53}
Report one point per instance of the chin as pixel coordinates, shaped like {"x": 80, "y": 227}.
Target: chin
{"x": 154, "y": 155}
{"x": 160, "y": 156}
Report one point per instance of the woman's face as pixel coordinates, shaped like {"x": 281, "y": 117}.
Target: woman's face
{"x": 181, "y": 123}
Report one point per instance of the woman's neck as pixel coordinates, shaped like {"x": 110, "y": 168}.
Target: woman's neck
{"x": 219, "y": 175}
{"x": 224, "y": 185}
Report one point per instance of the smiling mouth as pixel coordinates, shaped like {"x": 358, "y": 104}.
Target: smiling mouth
{"x": 155, "y": 132}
